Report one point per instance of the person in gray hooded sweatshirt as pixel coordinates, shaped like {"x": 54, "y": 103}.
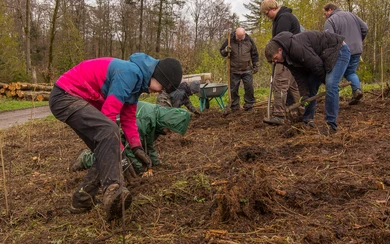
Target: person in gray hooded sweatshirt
{"x": 354, "y": 30}
{"x": 180, "y": 97}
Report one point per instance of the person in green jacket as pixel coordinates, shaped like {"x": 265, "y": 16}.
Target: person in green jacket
{"x": 153, "y": 120}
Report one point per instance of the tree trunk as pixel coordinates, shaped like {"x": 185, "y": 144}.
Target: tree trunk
{"x": 28, "y": 38}
{"x": 52, "y": 35}
{"x": 159, "y": 26}
{"x": 140, "y": 26}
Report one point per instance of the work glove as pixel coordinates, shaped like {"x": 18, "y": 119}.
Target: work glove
{"x": 303, "y": 101}
{"x": 141, "y": 155}
{"x": 255, "y": 69}
{"x": 228, "y": 49}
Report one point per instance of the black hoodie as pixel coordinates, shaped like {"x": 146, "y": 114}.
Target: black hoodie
{"x": 285, "y": 21}
{"x": 309, "y": 52}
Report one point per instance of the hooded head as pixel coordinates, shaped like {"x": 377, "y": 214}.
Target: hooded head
{"x": 174, "y": 119}
{"x": 168, "y": 73}
{"x": 195, "y": 86}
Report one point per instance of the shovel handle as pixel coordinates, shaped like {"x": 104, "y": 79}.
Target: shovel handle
{"x": 270, "y": 90}
{"x": 228, "y": 70}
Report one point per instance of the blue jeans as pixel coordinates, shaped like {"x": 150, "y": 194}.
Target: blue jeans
{"x": 314, "y": 83}
{"x": 350, "y": 73}
{"x": 332, "y": 82}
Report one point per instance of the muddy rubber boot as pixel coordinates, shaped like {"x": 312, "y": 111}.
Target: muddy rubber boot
{"x": 112, "y": 201}
{"x": 83, "y": 200}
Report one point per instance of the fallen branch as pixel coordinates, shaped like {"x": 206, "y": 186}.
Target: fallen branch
{"x": 310, "y": 99}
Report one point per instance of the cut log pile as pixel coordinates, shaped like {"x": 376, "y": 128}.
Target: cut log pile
{"x": 25, "y": 91}
{"x": 202, "y": 77}
{"x": 41, "y": 92}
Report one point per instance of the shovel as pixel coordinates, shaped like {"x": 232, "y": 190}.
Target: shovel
{"x": 270, "y": 91}
{"x": 228, "y": 107}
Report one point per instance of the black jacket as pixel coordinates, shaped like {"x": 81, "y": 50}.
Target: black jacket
{"x": 244, "y": 54}
{"x": 285, "y": 21}
{"x": 182, "y": 97}
{"x": 310, "y": 52}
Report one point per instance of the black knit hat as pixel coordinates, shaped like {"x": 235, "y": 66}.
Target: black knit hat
{"x": 168, "y": 73}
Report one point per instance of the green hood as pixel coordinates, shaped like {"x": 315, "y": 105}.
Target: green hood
{"x": 153, "y": 118}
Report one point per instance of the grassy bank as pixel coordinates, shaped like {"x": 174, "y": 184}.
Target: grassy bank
{"x": 11, "y": 104}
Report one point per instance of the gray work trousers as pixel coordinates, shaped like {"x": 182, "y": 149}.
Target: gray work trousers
{"x": 99, "y": 133}
{"x": 285, "y": 89}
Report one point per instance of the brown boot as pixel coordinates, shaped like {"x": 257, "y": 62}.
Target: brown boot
{"x": 112, "y": 201}
{"x": 356, "y": 96}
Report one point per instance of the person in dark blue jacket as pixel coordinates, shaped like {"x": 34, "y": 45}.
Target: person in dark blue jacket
{"x": 180, "y": 97}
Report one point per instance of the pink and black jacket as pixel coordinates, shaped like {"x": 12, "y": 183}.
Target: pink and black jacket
{"x": 113, "y": 86}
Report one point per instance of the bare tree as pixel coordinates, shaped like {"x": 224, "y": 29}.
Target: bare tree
{"x": 52, "y": 36}
{"x": 27, "y": 30}
{"x": 217, "y": 19}
{"x": 196, "y": 8}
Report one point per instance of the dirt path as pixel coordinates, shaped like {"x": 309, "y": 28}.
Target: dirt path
{"x": 11, "y": 118}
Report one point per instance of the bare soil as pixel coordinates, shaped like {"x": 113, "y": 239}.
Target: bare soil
{"x": 230, "y": 179}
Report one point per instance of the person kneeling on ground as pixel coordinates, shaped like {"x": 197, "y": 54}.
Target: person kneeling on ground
{"x": 153, "y": 120}
{"x": 180, "y": 97}
{"x": 88, "y": 98}
{"x": 313, "y": 57}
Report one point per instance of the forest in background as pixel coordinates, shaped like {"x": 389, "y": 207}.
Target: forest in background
{"x": 41, "y": 39}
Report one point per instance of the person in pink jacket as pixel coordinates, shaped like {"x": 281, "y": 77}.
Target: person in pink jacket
{"x": 88, "y": 98}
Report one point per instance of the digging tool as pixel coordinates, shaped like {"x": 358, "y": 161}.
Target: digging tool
{"x": 228, "y": 107}
{"x": 270, "y": 91}
{"x": 228, "y": 71}
{"x": 310, "y": 99}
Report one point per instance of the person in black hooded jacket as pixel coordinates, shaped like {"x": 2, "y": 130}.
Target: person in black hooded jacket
{"x": 313, "y": 57}
{"x": 180, "y": 97}
{"x": 284, "y": 86}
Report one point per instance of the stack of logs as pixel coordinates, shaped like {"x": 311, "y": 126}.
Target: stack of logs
{"x": 41, "y": 92}
{"x": 25, "y": 91}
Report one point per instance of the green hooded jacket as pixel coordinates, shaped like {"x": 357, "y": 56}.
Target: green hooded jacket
{"x": 151, "y": 120}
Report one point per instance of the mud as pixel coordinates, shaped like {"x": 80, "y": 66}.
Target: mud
{"x": 230, "y": 179}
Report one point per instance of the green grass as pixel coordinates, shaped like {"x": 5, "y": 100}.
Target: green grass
{"x": 261, "y": 94}
{"x": 10, "y": 104}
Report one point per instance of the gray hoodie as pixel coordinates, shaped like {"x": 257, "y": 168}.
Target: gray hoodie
{"x": 350, "y": 26}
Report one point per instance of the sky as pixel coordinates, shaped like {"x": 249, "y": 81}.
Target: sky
{"x": 238, "y": 7}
